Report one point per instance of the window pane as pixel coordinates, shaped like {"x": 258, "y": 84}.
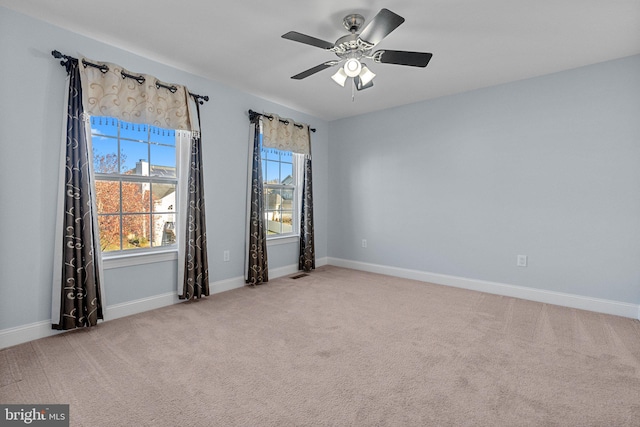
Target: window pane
{"x": 278, "y": 172}
{"x": 272, "y": 198}
{"x": 134, "y": 158}
{"x": 134, "y": 213}
{"x": 104, "y": 126}
{"x": 109, "y": 232}
{"x": 164, "y": 197}
{"x": 135, "y": 231}
{"x": 164, "y": 230}
{"x": 108, "y": 196}
{"x": 286, "y": 174}
{"x": 272, "y": 175}
{"x": 273, "y": 223}
{"x": 105, "y": 154}
{"x": 287, "y": 222}
{"x": 287, "y": 199}
{"x": 135, "y": 197}
{"x": 163, "y": 136}
{"x": 134, "y": 131}
{"x": 163, "y": 161}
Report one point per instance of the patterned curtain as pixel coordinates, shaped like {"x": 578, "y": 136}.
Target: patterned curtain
{"x": 196, "y": 268}
{"x": 307, "y": 260}
{"x": 285, "y": 134}
{"x": 257, "y": 270}
{"x": 110, "y": 90}
{"x": 77, "y": 290}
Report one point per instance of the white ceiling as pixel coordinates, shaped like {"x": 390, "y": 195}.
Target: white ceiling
{"x": 475, "y": 43}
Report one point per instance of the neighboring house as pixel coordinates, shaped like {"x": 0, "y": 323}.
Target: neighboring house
{"x": 281, "y": 203}
{"x": 164, "y": 201}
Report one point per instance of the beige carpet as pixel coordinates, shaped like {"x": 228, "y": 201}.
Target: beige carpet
{"x": 341, "y": 348}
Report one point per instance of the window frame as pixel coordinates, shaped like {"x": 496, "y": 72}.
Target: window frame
{"x": 136, "y": 256}
{"x": 294, "y": 235}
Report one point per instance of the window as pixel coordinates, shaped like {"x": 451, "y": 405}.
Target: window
{"x": 136, "y": 181}
{"x": 280, "y": 186}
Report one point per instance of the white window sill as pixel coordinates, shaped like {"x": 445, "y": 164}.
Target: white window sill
{"x": 128, "y": 260}
{"x": 273, "y": 241}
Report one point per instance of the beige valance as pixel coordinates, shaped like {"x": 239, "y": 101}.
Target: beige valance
{"x": 142, "y": 99}
{"x": 285, "y": 134}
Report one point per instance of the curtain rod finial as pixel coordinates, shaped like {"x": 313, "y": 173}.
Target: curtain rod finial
{"x": 59, "y": 55}
{"x": 200, "y": 99}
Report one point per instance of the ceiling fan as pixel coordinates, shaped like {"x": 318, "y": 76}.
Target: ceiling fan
{"x": 353, "y": 48}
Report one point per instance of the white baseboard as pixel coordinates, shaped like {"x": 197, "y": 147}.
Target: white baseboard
{"x": 128, "y": 308}
{"x": 21, "y": 334}
{"x": 540, "y": 295}
{"x": 24, "y": 333}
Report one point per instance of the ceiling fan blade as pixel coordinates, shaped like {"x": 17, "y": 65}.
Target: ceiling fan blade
{"x": 303, "y": 38}
{"x": 401, "y": 57}
{"x": 380, "y": 27}
{"x": 312, "y": 71}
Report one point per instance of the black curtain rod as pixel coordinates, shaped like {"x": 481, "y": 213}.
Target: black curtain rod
{"x": 253, "y": 115}
{"x": 140, "y": 79}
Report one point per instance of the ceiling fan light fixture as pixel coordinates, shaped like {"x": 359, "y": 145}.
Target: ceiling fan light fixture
{"x": 340, "y": 77}
{"x": 360, "y": 85}
{"x": 366, "y": 75}
{"x": 352, "y": 67}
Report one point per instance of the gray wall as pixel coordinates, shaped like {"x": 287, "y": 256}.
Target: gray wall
{"x": 31, "y": 105}
{"x": 547, "y": 167}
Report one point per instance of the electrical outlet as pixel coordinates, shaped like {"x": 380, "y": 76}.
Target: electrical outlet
{"x": 364, "y": 243}
{"x": 226, "y": 256}
{"x": 521, "y": 261}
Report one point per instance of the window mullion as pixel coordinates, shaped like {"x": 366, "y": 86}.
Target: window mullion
{"x": 150, "y": 205}
{"x": 119, "y": 170}
{"x": 120, "y": 215}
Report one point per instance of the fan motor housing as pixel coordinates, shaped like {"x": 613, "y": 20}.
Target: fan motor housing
{"x": 349, "y": 46}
